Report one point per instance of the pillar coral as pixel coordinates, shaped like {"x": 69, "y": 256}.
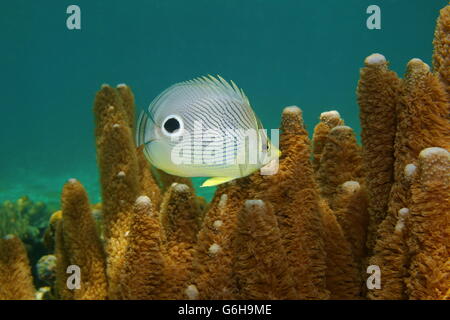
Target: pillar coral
{"x": 180, "y": 214}
{"x": 260, "y": 263}
{"x": 213, "y": 276}
{"x": 294, "y": 195}
{"x": 181, "y": 218}
{"x": 422, "y": 121}
{"x": 340, "y": 161}
{"x": 82, "y": 244}
{"x": 291, "y": 243}
{"x": 148, "y": 184}
{"x": 342, "y": 273}
{"x": 378, "y": 91}
{"x": 165, "y": 180}
{"x": 142, "y": 277}
{"x": 351, "y": 213}
{"x": 16, "y": 281}
{"x": 441, "y": 42}
{"x": 62, "y": 262}
{"x": 429, "y": 226}
{"x": 118, "y": 164}
{"x": 328, "y": 120}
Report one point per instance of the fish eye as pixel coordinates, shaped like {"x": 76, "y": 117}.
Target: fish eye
{"x": 172, "y": 125}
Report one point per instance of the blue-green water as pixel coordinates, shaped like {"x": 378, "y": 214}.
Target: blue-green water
{"x": 306, "y": 53}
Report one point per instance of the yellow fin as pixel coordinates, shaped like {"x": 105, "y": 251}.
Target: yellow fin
{"x": 216, "y": 181}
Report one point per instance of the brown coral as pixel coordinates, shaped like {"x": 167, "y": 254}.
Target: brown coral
{"x": 260, "y": 264}
{"x": 142, "y": 275}
{"x": 342, "y": 273}
{"x": 340, "y": 161}
{"x": 181, "y": 219}
{"x": 294, "y": 195}
{"x": 441, "y": 54}
{"x": 295, "y": 242}
{"x": 118, "y": 164}
{"x": 378, "y": 92}
{"x": 165, "y": 180}
{"x": 429, "y": 226}
{"x": 82, "y": 246}
{"x": 422, "y": 121}
{"x": 16, "y": 282}
{"x": 213, "y": 273}
{"x": 350, "y": 209}
{"x": 328, "y": 120}
{"x": 148, "y": 184}
{"x": 180, "y": 214}
{"x": 62, "y": 263}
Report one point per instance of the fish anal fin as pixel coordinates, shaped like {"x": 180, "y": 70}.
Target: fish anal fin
{"x": 214, "y": 181}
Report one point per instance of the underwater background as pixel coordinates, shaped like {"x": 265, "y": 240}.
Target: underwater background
{"x": 305, "y": 53}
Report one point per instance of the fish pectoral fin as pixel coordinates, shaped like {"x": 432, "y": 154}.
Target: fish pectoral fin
{"x": 214, "y": 181}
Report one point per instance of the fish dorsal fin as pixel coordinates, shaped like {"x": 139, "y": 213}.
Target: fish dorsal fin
{"x": 216, "y": 181}
{"x": 207, "y": 88}
{"x": 219, "y": 85}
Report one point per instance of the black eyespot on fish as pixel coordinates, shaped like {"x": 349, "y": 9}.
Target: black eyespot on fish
{"x": 171, "y": 125}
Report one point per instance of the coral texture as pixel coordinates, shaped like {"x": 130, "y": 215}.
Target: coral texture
{"x": 422, "y": 121}
{"x": 81, "y": 243}
{"x": 429, "y": 226}
{"x": 340, "y": 161}
{"x": 310, "y": 230}
{"x": 378, "y": 92}
{"x": 294, "y": 194}
{"x": 441, "y": 55}
{"x": 261, "y": 267}
{"x": 328, "y": 120}
{"x": 16, "y": 282}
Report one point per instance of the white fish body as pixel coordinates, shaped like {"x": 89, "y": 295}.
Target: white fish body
{"x": 202, "y": 128}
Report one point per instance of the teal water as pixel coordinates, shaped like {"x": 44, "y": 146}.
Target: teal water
{"x": 305, "y": 53}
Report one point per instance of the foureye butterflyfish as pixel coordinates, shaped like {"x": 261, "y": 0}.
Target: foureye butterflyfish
{"x": 204, "y": 127}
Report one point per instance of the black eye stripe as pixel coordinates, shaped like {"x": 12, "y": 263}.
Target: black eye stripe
{"x": 171, "y": 125}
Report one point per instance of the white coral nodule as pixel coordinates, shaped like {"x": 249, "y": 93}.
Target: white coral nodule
{"x": 191, "y": 292}
{"x": 214, "y": 249}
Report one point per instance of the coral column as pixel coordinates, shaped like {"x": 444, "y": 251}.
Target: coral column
{"x": 429, "y": 225}
{"x": 441, "y": 54}
{"x": 82, "y": 244}
{"x": 118, "y": 164}
{"x": 260, "y": 260}
{"x": 294, "y": 195}
{"x": 341, "y": 161}
{"x": 213, "y": 276}
{"x": 378, "y": 92}
{"x": 143, "y": 273}
{"x": 16, "y": 282}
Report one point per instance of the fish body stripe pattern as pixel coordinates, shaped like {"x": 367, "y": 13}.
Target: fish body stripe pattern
{"x": 214, "y": 125}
